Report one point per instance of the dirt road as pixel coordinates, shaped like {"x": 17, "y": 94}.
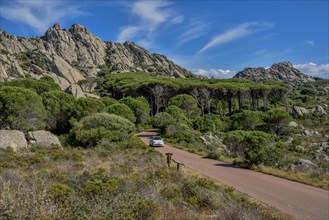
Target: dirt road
{"x": 302, "y": 201}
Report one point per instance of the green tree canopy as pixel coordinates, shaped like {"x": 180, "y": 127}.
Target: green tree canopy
{"x": 209, "y": 122}
{"x": 139, "y": 106}
{"x": 187, "y": 103}
{"x": 39, "y": 86}
{"x": 277, "y": 121}
{"x": 247, "y": 120}
{"x": 87, "y": 106}
{"x": 123, "y": 111}
{"x": 21, "y": 109}
{"x": 92, "y": 129}
{"x": 60, "y": 108}
{"x": 107, "y": 101}
{"x": 254, "y": 146}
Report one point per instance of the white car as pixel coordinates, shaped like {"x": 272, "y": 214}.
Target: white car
{"x": 156, "y": 141}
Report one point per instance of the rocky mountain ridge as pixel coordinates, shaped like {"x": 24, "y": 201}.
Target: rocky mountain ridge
{"x": 284, "y": 72}
{"x": 74, "y": 54}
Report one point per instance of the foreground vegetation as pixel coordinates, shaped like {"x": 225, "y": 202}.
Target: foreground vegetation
{"x": 103, "y": 172}
{"x": 123, "y": 180}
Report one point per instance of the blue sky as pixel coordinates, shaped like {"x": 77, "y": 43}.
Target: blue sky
{"x": 213, "y": 38}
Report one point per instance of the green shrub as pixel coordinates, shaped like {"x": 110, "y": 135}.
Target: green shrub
{"x": 162, "y": 120}
{"x": 213, "y": 155}
{"x": 87, "y": 106}
{"x": 146, "y": 209}
{"x": 187, "y": 103}
{"x": 90, "y": 130}
{"x": 247, "y": 120}
{"x": 277, "y": 121}
{"x": 60, "y": 192}
{"x": 123, "y": 111}
{"x": 139, "y": 106}
{"x": 21, "y": 109}
{"x": 209, "y": 122}
{"x": 60, "y": 108}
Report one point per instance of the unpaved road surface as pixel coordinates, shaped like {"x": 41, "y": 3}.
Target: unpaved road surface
{"x": 302, "y": 201}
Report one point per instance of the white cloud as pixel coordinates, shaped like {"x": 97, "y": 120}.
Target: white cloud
{"x": 177, "y": 20}
{"x": 309, "y": 43}
{"x": 148, "y": 16}
{"x": 216, "y": 73}
{"x": 39, "y": 15}
{"x": 240, "y": 31}
{"x": 313, "y": 69}
{"x": 193, "y": 31}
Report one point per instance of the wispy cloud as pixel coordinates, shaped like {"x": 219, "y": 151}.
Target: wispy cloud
{"x": 148, "y": 16}
{"x": 216, "y": 73}
{"x": 39, "y": 14}
{"x": 309, "y": 43}
{"x": 193, "y": 31}
{"x": 272, "y": 54}
{"x": 240, "y": 31}
{"x": 313, "y": 69}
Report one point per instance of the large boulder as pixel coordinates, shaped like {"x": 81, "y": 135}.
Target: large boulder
{"x": 44, "y": 138}
{"x": 318, "y": 110}
{"x": 299, "y": 111}
{"x": 12, "y": 138}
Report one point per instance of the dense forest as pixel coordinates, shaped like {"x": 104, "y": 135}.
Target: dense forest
{"x": 254, "y": 125}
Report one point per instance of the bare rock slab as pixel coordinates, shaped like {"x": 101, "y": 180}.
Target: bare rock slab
{"x": 12, "y": 138}
{"x": 44, "y": 138}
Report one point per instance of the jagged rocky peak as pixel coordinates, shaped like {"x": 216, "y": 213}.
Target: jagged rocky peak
{"x": 70, "y": 55}
{"x": 283, "y": 71}
{"x": 78, "y": 28}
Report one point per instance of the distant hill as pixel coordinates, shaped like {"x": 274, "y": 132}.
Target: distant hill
{"x": 71, "y": 55}
{"x": 284, "y": 72}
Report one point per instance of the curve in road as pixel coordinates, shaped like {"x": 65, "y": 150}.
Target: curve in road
{"x": 302, "y": 201}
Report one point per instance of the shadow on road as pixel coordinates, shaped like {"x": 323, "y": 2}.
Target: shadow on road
{"x": 228, "y": 165}
{"x": 144, "y": 135}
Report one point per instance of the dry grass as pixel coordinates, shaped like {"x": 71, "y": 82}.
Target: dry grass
{"x": 113, "y": 181}
{"x": 311, "y": 177}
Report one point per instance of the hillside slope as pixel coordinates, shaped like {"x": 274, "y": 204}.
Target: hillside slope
{"x": 284, "y": 72}
{"x": 70, "y": 55}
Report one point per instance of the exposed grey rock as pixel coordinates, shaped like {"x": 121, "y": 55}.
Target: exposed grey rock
{"x": 12, "y": 138}
{"x": 310, "y": 133}
{"x": 299, "y": 111}
{"x": 305, "y": 164}
{"x": 70, "y": 55}
{"x": 44, "y": 138}
{"x": 318, "y": 110}
{"x": 299, "y": 148}
{"x": 76, "y": 91}
{"x": 293, "y": 124}
{"x": 214, "y": 142}
{"x": 284, "y": 72}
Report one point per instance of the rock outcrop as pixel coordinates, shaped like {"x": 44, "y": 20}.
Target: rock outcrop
{"x": 305, "y": 164}
{"x": 12, "y": 138}
{"x": 284, "y": 72}
{"x": 318, "y": 110}
{"x": 44, "y": 138}
{"x": 299, "y": 111}
{"x": 70, "y": 55}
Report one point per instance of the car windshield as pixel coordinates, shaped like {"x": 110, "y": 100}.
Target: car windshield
{"x": 157, "y": 138}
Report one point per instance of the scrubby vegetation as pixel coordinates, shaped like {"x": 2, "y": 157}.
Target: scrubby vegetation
{"x": 104, "y": 172}
{"x": 121, "y": 180}
{"x": 251, "y": 121}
